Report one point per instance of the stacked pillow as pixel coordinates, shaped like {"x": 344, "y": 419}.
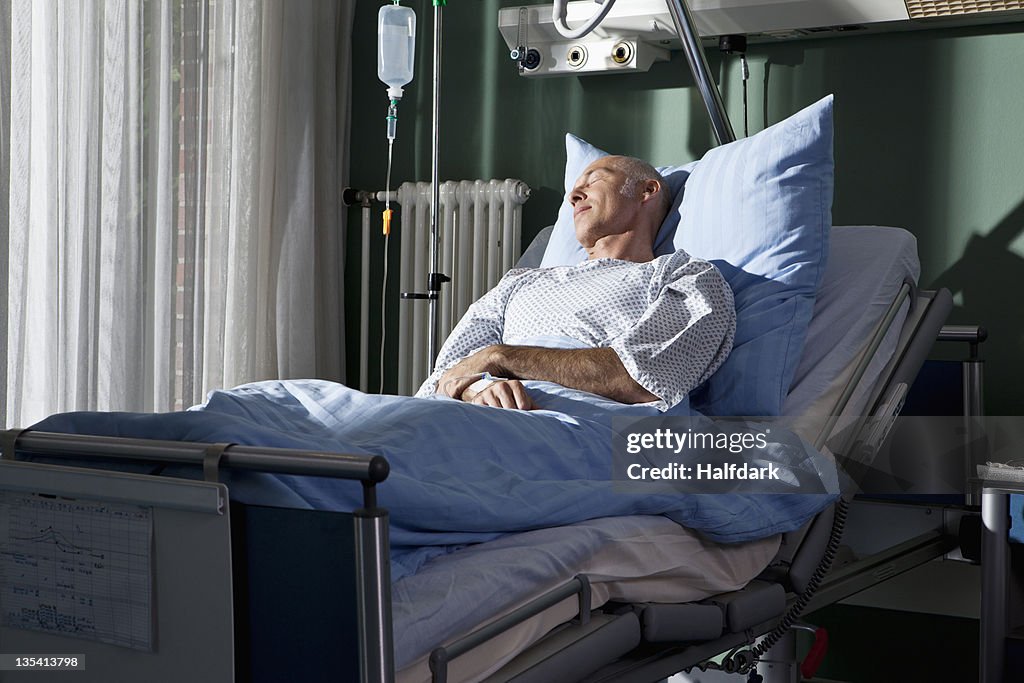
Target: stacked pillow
{"x": 760, "y": 209}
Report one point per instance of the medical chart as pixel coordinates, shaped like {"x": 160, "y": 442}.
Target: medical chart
{"x": 77, "y": 568}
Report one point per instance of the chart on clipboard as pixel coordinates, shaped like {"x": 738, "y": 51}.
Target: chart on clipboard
{"x": 77, "y": 568}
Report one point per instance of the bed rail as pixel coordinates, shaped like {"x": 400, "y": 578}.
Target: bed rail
{"x": 441, "y": 656}
{"x": 371, "y": 469}
{"x": 881, "y": 330}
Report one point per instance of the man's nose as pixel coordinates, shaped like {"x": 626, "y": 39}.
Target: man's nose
{"x": 576, "y": 195}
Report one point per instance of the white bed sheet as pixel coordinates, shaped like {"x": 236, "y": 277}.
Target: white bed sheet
{"x": 867, "y": 264}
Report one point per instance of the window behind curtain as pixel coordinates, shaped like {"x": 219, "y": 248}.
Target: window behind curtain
{"x": 170, "y": 209}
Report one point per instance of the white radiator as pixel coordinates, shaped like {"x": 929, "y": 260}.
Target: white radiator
{"x": 480, "y": 223}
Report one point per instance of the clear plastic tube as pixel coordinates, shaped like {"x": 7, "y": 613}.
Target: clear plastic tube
{"x": 392, "y": 122}
{"x": 384, "y": 282}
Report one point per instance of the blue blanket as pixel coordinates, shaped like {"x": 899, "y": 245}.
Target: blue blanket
{"x": 462, "y": 473}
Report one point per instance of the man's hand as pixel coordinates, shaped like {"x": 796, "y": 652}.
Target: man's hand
{"x": 456, "y": 382}
{"x": 597, "y": 370}
{"x": 458, "y": 377}
{"x": 509, "y": 393}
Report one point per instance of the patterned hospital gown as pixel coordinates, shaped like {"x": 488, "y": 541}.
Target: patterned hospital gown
{"x": 671, "y": 320}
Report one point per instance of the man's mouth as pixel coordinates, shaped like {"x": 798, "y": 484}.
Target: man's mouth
{"x": 579, "y": 209}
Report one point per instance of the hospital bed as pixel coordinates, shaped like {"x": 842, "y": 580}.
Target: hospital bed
{"x": 647, "y": 633}
{"x": 632, "y": 598}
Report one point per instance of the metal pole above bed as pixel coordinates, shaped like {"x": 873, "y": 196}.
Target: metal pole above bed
{"x": 694, "y": 52}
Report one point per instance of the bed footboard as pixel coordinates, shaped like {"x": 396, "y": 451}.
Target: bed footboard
{"x": 173, "y": 518}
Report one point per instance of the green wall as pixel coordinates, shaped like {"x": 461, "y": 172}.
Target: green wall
{"x": 929, "y": 137}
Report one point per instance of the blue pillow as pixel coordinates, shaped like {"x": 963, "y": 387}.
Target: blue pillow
{"x": 760, "y": 209}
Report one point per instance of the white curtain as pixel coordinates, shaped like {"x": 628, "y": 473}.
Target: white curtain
{"x": 171, "y": 221}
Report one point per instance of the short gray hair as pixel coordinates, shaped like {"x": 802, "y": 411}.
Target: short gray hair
{"x": 637, "y": 172}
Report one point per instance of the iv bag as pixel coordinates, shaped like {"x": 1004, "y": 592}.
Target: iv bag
{"x": 396, "y": 43}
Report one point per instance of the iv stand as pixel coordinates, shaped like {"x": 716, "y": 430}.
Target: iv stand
{"x": 434, "y": 278}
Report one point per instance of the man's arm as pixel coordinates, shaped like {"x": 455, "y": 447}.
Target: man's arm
{"x": 598, "y": 371}
{"x": 481, "y": 326}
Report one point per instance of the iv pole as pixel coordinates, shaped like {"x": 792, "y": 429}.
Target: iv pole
{"x": 434, "y": 278}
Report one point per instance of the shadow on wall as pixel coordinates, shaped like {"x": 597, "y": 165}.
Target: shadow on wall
{"x": 894, "y": 160}
{"x": 789, "y": 58}
{"x": 987, "y": 277}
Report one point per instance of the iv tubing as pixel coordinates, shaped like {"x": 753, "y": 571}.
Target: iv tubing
{"x": 383, "y": 312}
{"x": 384, "y": 281}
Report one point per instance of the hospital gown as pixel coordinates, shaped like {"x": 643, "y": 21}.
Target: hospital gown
{"x": 671, "y": 320}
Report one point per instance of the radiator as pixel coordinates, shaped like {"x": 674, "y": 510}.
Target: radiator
{"x": 480, "y": 223}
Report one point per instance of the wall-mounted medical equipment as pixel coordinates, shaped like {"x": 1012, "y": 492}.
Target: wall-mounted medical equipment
{"x": 629, "y": 36}
{"x": 634, "y": 34}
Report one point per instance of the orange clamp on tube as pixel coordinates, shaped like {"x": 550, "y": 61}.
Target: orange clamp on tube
{"x": 387, "y": 221}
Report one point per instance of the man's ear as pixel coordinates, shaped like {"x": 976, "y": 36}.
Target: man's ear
{"x": 651, "y": 189}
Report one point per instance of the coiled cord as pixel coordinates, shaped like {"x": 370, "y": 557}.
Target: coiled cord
{"x": 744, "y": 661}
{"x": 838, "y": 522}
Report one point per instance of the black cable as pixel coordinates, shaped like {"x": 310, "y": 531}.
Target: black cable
{"x": 746, "y": 77}
{"x": 838, "y": 522}
{"x": 745, "y": 665}
{"x": 737, "y": 44}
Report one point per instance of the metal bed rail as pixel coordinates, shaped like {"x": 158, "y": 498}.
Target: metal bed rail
{"x": 441, "y": 656}
{"x": 906, "y": 292}
{"x": 372, "y": 550}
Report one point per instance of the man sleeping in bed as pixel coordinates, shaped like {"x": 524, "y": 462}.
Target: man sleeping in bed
{"x": 623, "y": 324}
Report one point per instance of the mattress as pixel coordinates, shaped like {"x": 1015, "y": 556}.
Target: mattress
{"x": 866, "y": 265}
{"x": 630, "y": 559}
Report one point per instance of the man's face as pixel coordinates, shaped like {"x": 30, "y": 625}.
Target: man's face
{"x": 599, "y": 207}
